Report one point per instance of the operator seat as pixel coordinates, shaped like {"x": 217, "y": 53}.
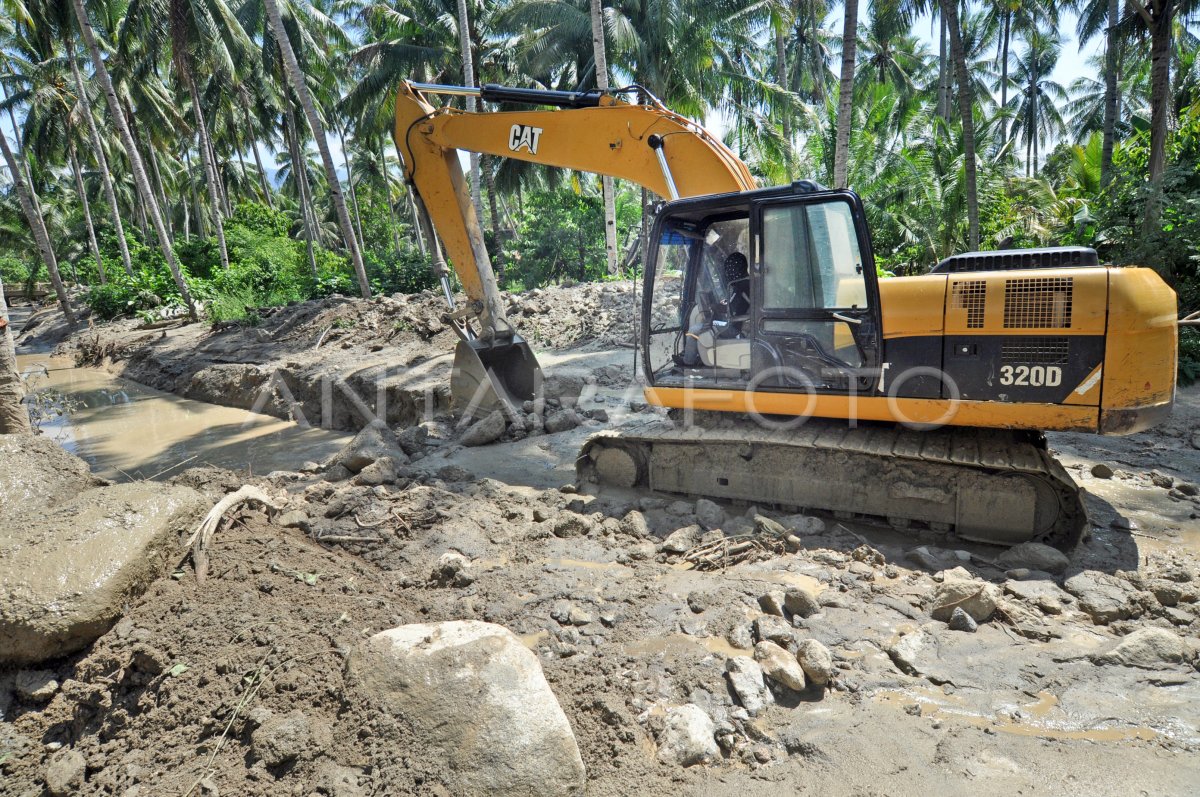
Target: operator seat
{"x": 723, "y": 344}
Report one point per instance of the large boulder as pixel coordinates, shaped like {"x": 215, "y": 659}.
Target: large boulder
{"x": 477, "y": 697}
{"x": 689, "y": 737}
{"x": 67, "y": 570}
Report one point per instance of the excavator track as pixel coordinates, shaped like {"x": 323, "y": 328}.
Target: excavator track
{"x": 987, "y": 485}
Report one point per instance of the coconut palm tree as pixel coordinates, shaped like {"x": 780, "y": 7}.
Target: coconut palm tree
{"x": 141, "y": 180}
{"x": 296, "y": 80}
{"x": 14, "y": 419}
{"x": 1036, "y": 115}
{"x": 600, "y": 52}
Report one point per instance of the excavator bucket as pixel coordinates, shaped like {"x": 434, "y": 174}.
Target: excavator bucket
{"x": 493, "y": 375}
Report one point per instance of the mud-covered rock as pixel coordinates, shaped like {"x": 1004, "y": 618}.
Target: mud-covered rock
{"x": 1102, "y": 471}
{"x": 36, "y": 471}
{"x": 486, "y": 430}
{"x": 36, "y": 686}
{"x": 800, "y": 603}
{"x": 413, "y": 440}
{"x": 282, "y": 738}
{"x": 976, "y": 598}
{"x": 906, "y": 652}
{"x": 1102, "y": 596}
{"x": 746, "y": 680}
{"x": 67, "y": 571}
{"x": 709, "y": 514}
{"x": 65, "y": 772}
{"x": 780, "y": 666}
{"x": 816, "y": 660}
{"x": 681, "y": 540}
{"x": 961, "y": 621}
{"x": 477, "y": 697}
{"x": 1045, "y": 595}
{"x": 1146, "y": 648}
{"x": 375, "y": 441}
{"x": 1034, "y": 556}
{"x": 560, "y": 420}
{"x": 688, "y": 737}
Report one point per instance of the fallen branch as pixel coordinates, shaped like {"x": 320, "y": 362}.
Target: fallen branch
{"x": 202, "y": 536}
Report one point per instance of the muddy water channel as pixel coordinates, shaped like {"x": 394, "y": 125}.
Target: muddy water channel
{"x": 128, "y": 431}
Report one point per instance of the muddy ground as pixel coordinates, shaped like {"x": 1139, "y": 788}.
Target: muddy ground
{"x": 1034, "y": 701}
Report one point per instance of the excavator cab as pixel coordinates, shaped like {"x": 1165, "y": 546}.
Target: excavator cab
{"x": 801, "y": 314}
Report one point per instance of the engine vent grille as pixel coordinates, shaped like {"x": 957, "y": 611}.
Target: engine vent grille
{"x": 1038, "y": 302}
{"x": 1035, "y": 351}
{"x": 971, "y": 295}
{"x": 1014, "y": 259}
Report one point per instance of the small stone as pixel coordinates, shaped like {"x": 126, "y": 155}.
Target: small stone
{"x": 681, "y": 540}
{"x": 961, "y": 621}
{"x": 413, "y": 439}
{"x": 1122, "y": 522}
{"x": 804, "y": 525}
{"x": 1160, "y": 479}
{"x": 337, "y": 473}
{"x": 64, "y": 773}
{"x": 709, "y": 514}
{"x": 374, "y": 441}
{"x": 699, "y": 601}
{"x": 907, "y": 650}
{"x": 452, "y": 570}
{"x": 1188, "y": 489}
{"x": 767, "y": 526}
{"x": 561, "y": 421}
{"x": 1102, "y": 471}
{"x": 774, "y": 629}
{"x": 36, "y": 686}
{"x": 293, "y": 519}
{"x": 816, "y": 660}
{"x": 1104, "y": 597}
{"x": 634, "y": 524}
{"x": 1146, "y": 648}
{"x": 780, "y": 666}
{"x": 772, "y": 603}
{"x": 924, "y": 559}
{"x": 281, "y": 739}
{"x": 570, "y": 524}
{"x": 800, "y": 603}
{"x": 484, "y": 431}
{"x": 384, "y": 470}
{"x": 689, "y": 737}
{"x": 746, "y": 680}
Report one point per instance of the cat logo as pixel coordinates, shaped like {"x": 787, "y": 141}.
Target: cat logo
{"x": 525, "y": 136}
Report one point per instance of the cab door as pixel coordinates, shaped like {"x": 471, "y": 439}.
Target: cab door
{"x": 816, "y": 308}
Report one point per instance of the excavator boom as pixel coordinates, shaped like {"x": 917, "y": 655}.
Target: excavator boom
{"x": 645, "y": 144}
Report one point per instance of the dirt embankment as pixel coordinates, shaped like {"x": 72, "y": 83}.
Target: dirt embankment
{"x": 335, "y": 362}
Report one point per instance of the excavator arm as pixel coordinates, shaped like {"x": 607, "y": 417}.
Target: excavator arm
{"x": 647, "y": 144}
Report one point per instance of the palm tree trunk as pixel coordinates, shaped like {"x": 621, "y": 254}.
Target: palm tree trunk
{"x": 1160, "y": 102}
{"x": 841, "y": 147}
{"x": 201, "y": 231}
{"x": 37, "y": 227}
{"x": 296, "y": 78}
{"x": 262, "y": 173}
{"x": 468, "y": 66}
{"x": 350, "y": 184}
{"x": 966, "y": 103}
{"x": 87, "y": 214}
{"x": 158, "y": 187}
{"x": 1111, "y": 45}
{"x": 210, "y": 168}
{"x": 943, "y": 91}
{"x": 300, "y": 174}
{"x": 13, "y": 417}
{"x": 600, "y": 55}
{"x": 781, "y": 77}
{"x": 140, "y": 180}
{"x": 393, "y": 214}
{"x": 110, "y": 194}
{"x": 1004, "y": 67}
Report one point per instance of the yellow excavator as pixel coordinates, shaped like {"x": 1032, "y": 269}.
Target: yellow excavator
{"x": 803, "y": 379}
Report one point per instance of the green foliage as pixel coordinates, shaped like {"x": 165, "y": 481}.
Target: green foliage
{"x": 1189, "y": 355}
{"x": 561, "y": 236}
{"x": 406, "y": 271}
{"x": 147, "y": 289}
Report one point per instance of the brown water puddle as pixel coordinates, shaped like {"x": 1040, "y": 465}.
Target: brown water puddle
{"x": 682, "y": 643}
{"x": 1036, "y": 721}
{"x": 127, "y": 431}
